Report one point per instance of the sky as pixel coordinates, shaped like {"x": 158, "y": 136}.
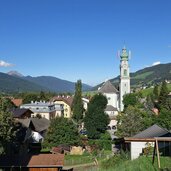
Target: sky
{"x": 79, "y": 39}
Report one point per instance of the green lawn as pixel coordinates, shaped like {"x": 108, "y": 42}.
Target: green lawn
{"x": 71, "y": 160}
{"x": 143, "y": 76}
{"x": 148, "y": 91}
{"x": 140, "y": 164}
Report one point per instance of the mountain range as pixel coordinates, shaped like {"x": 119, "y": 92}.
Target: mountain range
{"x": 145, "y": 77}
{"x": 13, "y": 81}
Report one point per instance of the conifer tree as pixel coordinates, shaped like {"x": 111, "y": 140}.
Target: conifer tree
{"x": 96, "y": 120}
{"x": 156, "y": 93}
{"x": 163, "y": 95}
{"x": 77, "y": 106}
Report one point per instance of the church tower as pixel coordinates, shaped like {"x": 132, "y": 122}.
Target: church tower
{"x": 124, "y": 76}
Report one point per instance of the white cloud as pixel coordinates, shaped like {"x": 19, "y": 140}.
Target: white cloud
{"x": 5, "y": 64}
{"x": 156, "y": 63}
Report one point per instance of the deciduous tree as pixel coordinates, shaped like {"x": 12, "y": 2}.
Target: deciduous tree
{"x": 132, "y": 121}
{"x": 7, "y": 125}
{"x": 61, "y": 131}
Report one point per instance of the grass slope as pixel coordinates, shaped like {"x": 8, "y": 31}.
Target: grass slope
{"x": 146, "y": 76}
{"x": 143, "y": 163}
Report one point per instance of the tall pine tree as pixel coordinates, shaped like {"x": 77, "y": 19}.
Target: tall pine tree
{"x": 77, "y": 106}
{"x": 163, "y": 95}
{"x": 156, "y": 93}
{"x": 96, "y": 120}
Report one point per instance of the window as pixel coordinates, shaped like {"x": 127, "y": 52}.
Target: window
{"x": 125, "y": 72}
{"x": 114, "y": 127}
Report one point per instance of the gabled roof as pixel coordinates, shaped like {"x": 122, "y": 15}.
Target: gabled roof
{"x": 19, "y": 112}
{"x": 29, "y": 160}
{"x": 107, "y": 87}
{"x": 67, "y": 99}
{"x": 17, "y": 102}
{"x": 24, "y": 122}
{"x": 110, "y": 108}
{"x": 151, "y": 132}
{"x": 40, "y": 124}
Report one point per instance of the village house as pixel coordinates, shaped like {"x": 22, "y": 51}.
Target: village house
{"x": 140, "y": 141}
{"x": 21, "y": 113}
{"x": 65, "y": 102}
{"x": 44, "y": 109}
{"x": 30, "y": 162}
{"x": 85, "y": 103}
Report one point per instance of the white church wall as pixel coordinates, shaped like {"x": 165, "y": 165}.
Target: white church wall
{"x": 112, "y": 99}
{"x": 112, "y": 123}
{"x": 112, "y": 113}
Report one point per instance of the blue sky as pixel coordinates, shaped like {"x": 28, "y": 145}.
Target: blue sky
{"x": 79, "y": 39}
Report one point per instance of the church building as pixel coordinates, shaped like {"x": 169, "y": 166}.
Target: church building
{"x": 114, "y": 96}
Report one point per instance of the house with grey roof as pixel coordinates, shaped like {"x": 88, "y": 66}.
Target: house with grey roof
{"x": 140, "y": 140}
{"x": 31, "y": 133}
{"x": 21, "y": 113}
{"x": 46, "y": 110}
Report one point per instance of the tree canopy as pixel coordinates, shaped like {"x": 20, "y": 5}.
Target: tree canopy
{"x": 7, "y": 125}
{"x": 61, "y": 131}
{"x": 96, "y": 120}
{"x": 132, "y": 121}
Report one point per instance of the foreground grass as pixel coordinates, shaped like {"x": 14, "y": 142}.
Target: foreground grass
{"x": 71, "y": 160}
{"x": 140, "y": 164}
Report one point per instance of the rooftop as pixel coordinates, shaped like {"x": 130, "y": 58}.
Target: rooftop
{"x": 19, "y": 112}
{"x": 67, "y": 99}
{"x": 29, "y": 160}
{"x": 110, "y": 108}
{"x": 151, "y": 132}
{"x": 17, "y": 102}
{"x": 40, "y": 124}
{"x": 107, "y": 87}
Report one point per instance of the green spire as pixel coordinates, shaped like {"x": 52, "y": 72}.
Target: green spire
{"x": 124, "y": 55}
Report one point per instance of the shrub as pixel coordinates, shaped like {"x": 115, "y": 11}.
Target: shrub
{"x": 115, "y": 160}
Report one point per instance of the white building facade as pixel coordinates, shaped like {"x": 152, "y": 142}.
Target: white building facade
{"x": 124, "y": 87}
{"x": 46, "y": 110}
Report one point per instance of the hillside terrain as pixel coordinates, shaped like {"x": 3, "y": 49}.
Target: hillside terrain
{"x": 16, "y": 82}
{"x": 12, "y": 84}
{"x": 55, "y": 84}
{"x": 146, "y": 77}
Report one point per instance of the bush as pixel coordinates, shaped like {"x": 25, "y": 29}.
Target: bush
{"x": 101, "y": 144}
{"x": 115, "y": 160}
